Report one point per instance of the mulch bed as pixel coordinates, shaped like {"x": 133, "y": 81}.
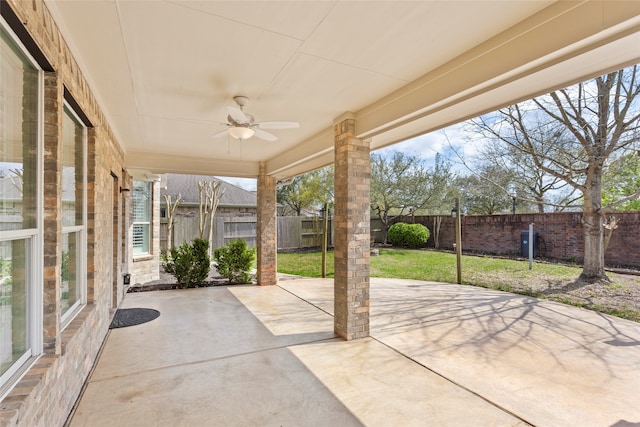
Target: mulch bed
{"x": 167, "y": 282}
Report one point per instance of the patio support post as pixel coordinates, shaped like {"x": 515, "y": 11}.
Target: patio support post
{"x": 266, "y": 242}
{"x": 352, "y": 224}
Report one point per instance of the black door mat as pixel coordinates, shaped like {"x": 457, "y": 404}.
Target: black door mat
{"x": 132, "y": 316}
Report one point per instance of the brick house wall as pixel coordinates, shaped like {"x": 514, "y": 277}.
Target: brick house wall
{"x": 561, "y": 235}
{"x": 46, "y": 392}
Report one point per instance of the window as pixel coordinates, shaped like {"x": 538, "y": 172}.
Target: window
{"x": 20, "y": 221}
{"x": 73, "y": 215}
{"x": 141, "y": 217}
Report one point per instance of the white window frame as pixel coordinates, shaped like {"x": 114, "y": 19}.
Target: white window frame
{"x": 81, "y": 230}
{"x": 34, "y": 239}
{"x": 149, "y": 223}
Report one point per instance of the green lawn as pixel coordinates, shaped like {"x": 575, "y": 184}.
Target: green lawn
{"x": 545, "y": 280}
{"x": 430, "y": 265}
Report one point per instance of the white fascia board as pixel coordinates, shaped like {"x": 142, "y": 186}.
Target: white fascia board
{"x": 166, "y": 163}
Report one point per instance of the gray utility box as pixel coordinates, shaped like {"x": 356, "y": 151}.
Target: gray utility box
{"x": 524, "y": 244}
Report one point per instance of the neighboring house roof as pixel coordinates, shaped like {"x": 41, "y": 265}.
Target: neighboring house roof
{"x": 187, "y": 187}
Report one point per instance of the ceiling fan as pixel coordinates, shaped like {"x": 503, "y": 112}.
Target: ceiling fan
{"x": 241, "y": 125}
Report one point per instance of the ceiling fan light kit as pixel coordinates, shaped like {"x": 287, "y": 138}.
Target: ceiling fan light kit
{"x": 239, "y": 132}
{"x": 241, "y": 125}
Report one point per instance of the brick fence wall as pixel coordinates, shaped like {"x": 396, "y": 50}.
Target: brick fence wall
{"x": 560, "y": 235}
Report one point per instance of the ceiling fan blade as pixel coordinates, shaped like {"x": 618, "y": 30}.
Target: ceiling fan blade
{"x": 265, "y": 135}
{"x": 220, "y": 134}
{"x": 278, "y": 125}
{"x": 238, "y": 115}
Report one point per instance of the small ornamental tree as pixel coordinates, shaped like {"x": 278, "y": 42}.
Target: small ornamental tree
{"x": 234, "y": 261}
{"x": 189, "y": 264}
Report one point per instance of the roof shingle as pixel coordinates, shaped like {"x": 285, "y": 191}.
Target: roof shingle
{"x": 187, "y": 187}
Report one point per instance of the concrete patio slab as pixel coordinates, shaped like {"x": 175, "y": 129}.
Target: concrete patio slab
{"x": 549, "y": 363}
{"x": 204, "y": 324}
{"x": 382, "y": 388}
{"x": 439, "y": 354}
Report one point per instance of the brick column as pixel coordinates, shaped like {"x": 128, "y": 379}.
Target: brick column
{"x": 53, "y": 101}
{"x": 352, "y": 223}
{"x": 266, "y": 229}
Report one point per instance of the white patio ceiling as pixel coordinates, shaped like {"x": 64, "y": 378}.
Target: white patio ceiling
{"x": 165, "y": 71}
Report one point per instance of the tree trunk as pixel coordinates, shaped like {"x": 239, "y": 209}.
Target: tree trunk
{"x": 214, "y": 194}
{"x": 202, "y": 209}
{"x": 437, "y": 222}
{"x": 593, "y": 269}
{"x": 592, "y": 223}
{"x": 540, "y": 203}
{"x": 171, "y": 209}
{"x": 385, "y": 230}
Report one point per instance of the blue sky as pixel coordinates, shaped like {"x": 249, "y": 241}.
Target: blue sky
{"x": 246, "y": 183}
{"x": 450, "y": 143}
{"x": 447, "y": 142}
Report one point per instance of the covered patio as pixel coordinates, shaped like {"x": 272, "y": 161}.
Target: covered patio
{"x": 438, "y": 354}
{"x": 355, "y": 76}
{"x": 145, "y": 85}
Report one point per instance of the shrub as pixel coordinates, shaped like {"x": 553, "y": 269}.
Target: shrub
{"x": 234, "y": 261}
{"x": 396, "y": 233}
{"x": 411, "y": 235}
{"x": 416, "y": 235}
{"x": 189, "y": 264}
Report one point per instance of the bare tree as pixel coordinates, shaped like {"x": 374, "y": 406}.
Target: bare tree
{"x": 202, "y": 207}
{"x": 403, "y": 183}
{"x": 214, "y": 194}
{"x": 171, "y": 209}
{"x": 592, "y": 123}
{"x": 533, "y": 186}
{"x": 481, "y": 192}
{"x": 209, "y": 194}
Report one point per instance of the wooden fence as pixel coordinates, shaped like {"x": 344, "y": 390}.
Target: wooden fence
{"x": 294, "y": 232}
{"x": 560, "y": 234}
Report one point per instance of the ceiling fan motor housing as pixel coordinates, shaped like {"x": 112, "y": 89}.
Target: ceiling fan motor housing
{"x": 241, "y": 100}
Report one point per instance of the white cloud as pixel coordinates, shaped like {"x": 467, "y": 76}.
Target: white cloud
{"x": 452, "y": 143}
{"x": 248, "y": 184}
